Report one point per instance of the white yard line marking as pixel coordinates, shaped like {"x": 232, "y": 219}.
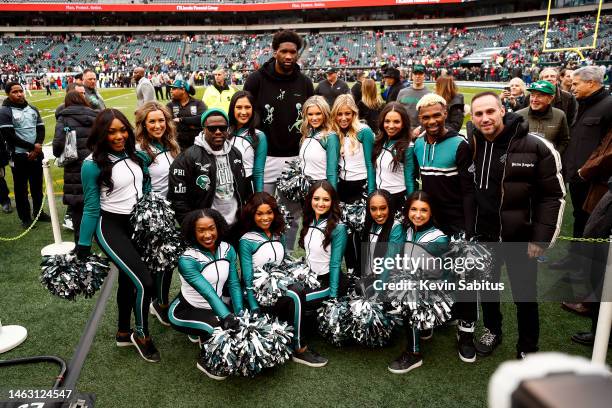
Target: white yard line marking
{"x": 109, "y": 99}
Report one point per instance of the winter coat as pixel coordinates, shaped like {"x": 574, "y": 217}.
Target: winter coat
{"x": 455, "y": 108}
{"x": 597, "y": 170}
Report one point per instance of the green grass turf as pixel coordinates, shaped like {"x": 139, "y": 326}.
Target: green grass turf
{"x": 355, "y": 376}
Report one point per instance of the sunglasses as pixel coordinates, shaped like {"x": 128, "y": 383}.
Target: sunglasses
{"x": 213, "y": 129}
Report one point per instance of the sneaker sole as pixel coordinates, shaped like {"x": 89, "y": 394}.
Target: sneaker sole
{"x": 316, "y": 365}
{"x": 193, "y": 340}
{"x": 214, "y": 377}
{"x": 466, "y": 359}
{"x": 154, "y": 313}
{"x": 483, "y": 354}
{"x": 405, "y": 370}
{"x": 133, "y": 339}
{"x": 124, "y": 344}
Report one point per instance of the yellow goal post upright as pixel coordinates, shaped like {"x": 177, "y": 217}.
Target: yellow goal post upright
{"x": 577, "y": 50}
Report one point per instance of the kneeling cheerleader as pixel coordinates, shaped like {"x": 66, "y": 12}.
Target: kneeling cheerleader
{"x": 204, "y": 269}
{"x": 264, "y": 243}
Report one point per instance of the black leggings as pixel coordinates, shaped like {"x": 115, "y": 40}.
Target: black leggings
{"x": 290, "y": 309}
{"x": 349, "y": 192}
{"x": 136, "y": 284}
{"x": 163, "y": 281}
{"x": 189, "y": 319}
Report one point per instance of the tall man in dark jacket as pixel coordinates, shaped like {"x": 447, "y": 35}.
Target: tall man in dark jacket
{"x": 592, "y": 122}
{"x": 209, "y": 174}
{"x": 331, "y": 87}
{"x": 520, "y": 199}
{"x": 280, "y": 90}
{"x": 23, "y": 129}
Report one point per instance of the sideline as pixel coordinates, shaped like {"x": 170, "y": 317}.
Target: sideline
{"x": 109, "y": 99}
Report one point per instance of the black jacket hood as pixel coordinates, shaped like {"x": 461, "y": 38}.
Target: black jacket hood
{"x": 7, "y": 102}
{"x": 82, "y": 114}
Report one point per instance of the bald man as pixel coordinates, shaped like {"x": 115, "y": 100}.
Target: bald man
{"x": 145, "y": 92}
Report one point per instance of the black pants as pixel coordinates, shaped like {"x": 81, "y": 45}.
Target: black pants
{"x": 522, "y": 273}
{"x": 192, "y": 320}
{"x": 397, "y": 202}
{"x": 4, "y": 191}
{"x": 349, "y": 192}
{"x": 76, "y": 213}
{"x": 168, "y": 95}
{"x": 27, "y": 172}
{"x": 159, "y": 93}
{"x": 578, "y": 192}
{"x": 136, "y": 284}
{"x": 316, "y": 297}
{"x": 290, "y": 309}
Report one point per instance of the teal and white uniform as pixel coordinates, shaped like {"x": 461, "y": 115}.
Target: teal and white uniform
{"x": 198, "y": 308}
{"x": 356, "y": 159}
{"x": 253, "y": 159}
{"x": 319, "y": 154}
{"x": 399, "y": 180}
{"x": 107, "y": 213}
{"x": 326, "y": 262}
{"x": 257, "y": 249}
{"x": 394, "y": 245}
{"x": 159, "y": 167}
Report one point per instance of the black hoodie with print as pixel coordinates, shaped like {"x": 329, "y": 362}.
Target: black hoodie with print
{"x": 279, "y": 101}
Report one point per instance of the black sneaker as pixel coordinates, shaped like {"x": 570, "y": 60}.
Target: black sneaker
{"x": 124, "y": 340}
{"x": 406, "y": 362}
{"x": 44, "y": 217}
{"x": 6, "y": 208}
{"x": 160, "y": 312}
{"x": 426, "y": 334}
{"x": 147, "y": 350}
{"x": 310, "y": 358}
{"x": 465, "y": 346}
{"x": 487, "y": 343}
{"x": 25, "y": 224}
{"x": 202, "y": 367}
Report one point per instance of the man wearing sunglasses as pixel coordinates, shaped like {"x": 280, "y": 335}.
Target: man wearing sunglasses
{"x": 209, "y": 174}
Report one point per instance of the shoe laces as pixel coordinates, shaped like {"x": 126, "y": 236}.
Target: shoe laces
{"x": 487, "y": 338}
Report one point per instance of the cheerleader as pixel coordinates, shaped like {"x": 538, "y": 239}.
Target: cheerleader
{"x": 384, "y": 234}
{"x": 418, "y": 223}
{"x": 324, "y": 239}
{"x": 264, "y": 242}
{"x": 114, "y": 178}
{"x": 251, "y": 142}
{"x": 320, "y": 146}
{"x": 393, "y": 154}
{"x": 357, "y": 178}
{"x": 356, "y": 146}
{"x": 157, "y": 147}
{"x": 205, "y": 267}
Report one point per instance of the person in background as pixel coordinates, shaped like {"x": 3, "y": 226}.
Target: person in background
{"x": 331, "y": 87}
{"x": 360, "y": 76}
{"x": 186, "y": 113}
{"x": 565, "y": 78}
{"x": 513, "y": 97}
{"x": 91, "y": 91}
{"x": 219, "y": 93}
{"x": 144, "y": 88}
{"x": 446, "y": 88}
{"x": 78, "y": 117}
{"x": 157, "y": 85}
{"x": 393, "y": 84}
{"x": 409, "y": 97}
{"x": 5, "y": 200}
{"x": 370, "y": 104}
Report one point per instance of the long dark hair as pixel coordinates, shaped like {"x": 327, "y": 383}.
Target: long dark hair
{"x": 418, "y": 195}
{"x": 403, "y": 137}
{"x": 247, "y": 217}
{"x": 252, "y": 123}
{"x": 383, "y": 237}
{"x": 75, "y": 98}
{"x": 98, "y": 144}
{"x": 190, "y": 220}
{"x": 333, "y": 217}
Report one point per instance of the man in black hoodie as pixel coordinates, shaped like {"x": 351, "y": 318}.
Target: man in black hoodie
{"x": 280, "y": 90}
{"x": 519, "y": 202}
{"x": 24, "y": 131}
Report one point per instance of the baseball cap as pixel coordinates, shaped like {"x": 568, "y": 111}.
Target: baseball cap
{"x": 331, "y": 70}
{"x": 179, "y": 83}
{"x": 543, "y": 86}
{"x": 417, "y": 68}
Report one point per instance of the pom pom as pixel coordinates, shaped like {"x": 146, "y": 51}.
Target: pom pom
{"x": 334, "y": 319}
{"x": 293, "y": 183}
{"x": 354, "y": 215}
{"x": 270, "y": 282}
{"x": 68, "y": 277}
{"x": 259, "y": 343}
{"x": 370, "y": 325}
{"x": 155, "y": 233}
{"x": 424, "y": 309}
{"x": 476, "y": 253}
{"x": 301, "y": 273}
{"x": 287, "y": 216}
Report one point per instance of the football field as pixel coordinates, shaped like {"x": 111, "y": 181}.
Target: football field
{"x": 355, "y": 375}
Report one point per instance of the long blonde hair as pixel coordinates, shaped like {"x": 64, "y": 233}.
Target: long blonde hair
{"x": 319, "y": 102}
{"x": 168, "y": 139}
{"x": 346, "y": 100}
{"x": 369, "y": 94}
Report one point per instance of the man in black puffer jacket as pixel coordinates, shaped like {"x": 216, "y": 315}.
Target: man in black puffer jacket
{"x": 76, "y": 116}
{"x": 520, "y": 199}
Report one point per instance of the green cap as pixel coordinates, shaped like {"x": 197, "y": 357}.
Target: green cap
{"x": 418, "y": 68}
{"x": 543, "y": 86}
{"x": 213, "y": 112}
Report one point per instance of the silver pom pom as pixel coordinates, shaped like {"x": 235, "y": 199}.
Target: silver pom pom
{"x": 477, "y": 253}
{"x": 334, "y": 319}
{"x": 67, "y": 277}
{"x": 354, "y": 214}
{"x": 301, "y": 273}
{"x": 287, "y": 216}
{"x": 270, "y": 282}
{"x": 293, "y": 183}
{"x": 155, "y": 233}
{"x": 259, "y": 343}
{"x": 370, "y": 325}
